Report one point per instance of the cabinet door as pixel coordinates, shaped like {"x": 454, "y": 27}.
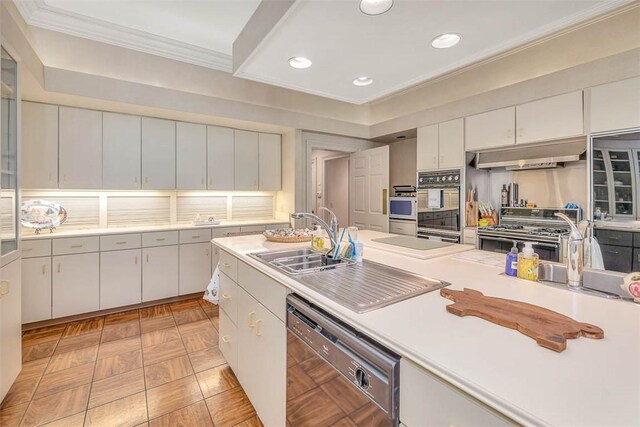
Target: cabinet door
{"x": 80, "y": 148}
{"x": 36, "y": 289}
{"x": 451, "y": 144}
{"x": 195, "y": 267}
{"x": 191, "y": 156}
{"x": 427, "y": 144}
{"x": 550, "y": 118}
{"x": 247, "y": 356}
{"x": 160, "y": 272}
{"x": 617, "y": 258}
{"x": 158, "y": 154}
{"x": 491, "y": 129}
{"x": 10, "y": 325}
{"x": 615, "y": 105}
{"x": 76, "y": 284}
{"x": 270, "y": 159}
{"x": 220, "y": 163}
{"x": 120, "y": 278}
{"x": 228, "y": 341}
{"x": 121, "y": 151}
{"x": 39, "y": 145}
{"x": 246, "y": 160}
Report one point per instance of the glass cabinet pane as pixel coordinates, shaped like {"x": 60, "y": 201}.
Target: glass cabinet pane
{"x": 600, "y": 183}
{"x": 8, "y": 154}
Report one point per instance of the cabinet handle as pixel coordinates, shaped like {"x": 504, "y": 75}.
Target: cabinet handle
{"x": 257, "y": 330}
{"x": 44, "y": 269}
{"x": 121, "y": 243}
{"x": 4, "y": 288}
{"x": 195, "y": 237}
{"x": 225, "y": 339}
{"x": 147, "y": 258}
{"x": 162, "y": 239}
{"x": 59, "y": 267}
{"x": 136, "y": 259}
{"x": 76, "y": 246}
{"x": 225, "y": 296}
{"x": 226, "y": 264}
{"x": 250, "y": 319}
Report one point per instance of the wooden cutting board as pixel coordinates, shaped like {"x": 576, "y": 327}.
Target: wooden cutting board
{"x": 549, "y": 328}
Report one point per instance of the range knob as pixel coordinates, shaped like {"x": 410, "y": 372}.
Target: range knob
{"x": 451, "y": 178}
{"x": 361, "y": 378}
{"x": 457, "y": 178}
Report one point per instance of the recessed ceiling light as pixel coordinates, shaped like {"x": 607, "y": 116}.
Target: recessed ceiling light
{"x": 300, "y": 62}
{"x": 375, "y": 7}
{"x": 363, "y": 81}
{"x": 444, "y": 41}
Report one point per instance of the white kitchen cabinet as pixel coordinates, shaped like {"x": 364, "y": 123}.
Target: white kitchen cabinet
{"x": 195, "y": 267}
{"x": 550, "y": 118}
{"x": 80, "y": 148}
{"x": 120, "y": 278}
{"x": 36, "y": 289}
{"x": 491, "y": 129}
{"x": 451, "y": 144}
{"x": 407, "y": 228}
{"x": 191, "y": 156}
{"x": 270, "y": 161}
{"x": 10, "y": 325}
{"x": 246, "y": 161}
{"x": 121, "y": 151}
{"x": 229, "y": 297}
{"x": 427, "y": 146}
{"x": 160, "y": 272}
{"x": 76, "y": 284}
{"x": 39, "y": 156}
{"x": 158, "y": 154}
{"x": 220, "y": 158}
{"x": 615, "y": 106}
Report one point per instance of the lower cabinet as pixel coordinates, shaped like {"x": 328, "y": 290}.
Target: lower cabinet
{"x": 195, "y": 267}
{"x": 617, "y": 258}
{"x": 229, "y": 340}
{"x": 76, "y": 284}
{"x": 120, "y": 278}
{"x": 160, "y": 272}
{"x": 36, "y": 289}
{"x": 10, "y": 325}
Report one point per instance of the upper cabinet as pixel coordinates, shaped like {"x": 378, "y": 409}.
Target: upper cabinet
{"x": 427, "y": 146}
{"x": 121, "y": 151}
{"x": 270, "y": 155}
{"x": 191, "y": 156}
{"x": 220, "y": 161}
{"x": 39, "y": 145}
{"x": 550, "y": 118}
{"x": 441, "y": 146}
{"x": 158, "y": 154}
{"x": 246, "y": 160}
{"x": 491, "y": 129}
{"x": 80, "y": 148}
{"x": 615, "y": 106}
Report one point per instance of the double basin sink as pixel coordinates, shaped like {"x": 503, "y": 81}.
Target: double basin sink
{"x": 597, "y": 282}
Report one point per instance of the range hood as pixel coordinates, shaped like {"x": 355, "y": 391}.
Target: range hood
{"x": 538, "y": 156}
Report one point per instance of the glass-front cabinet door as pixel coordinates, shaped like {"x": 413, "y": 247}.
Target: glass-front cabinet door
{"x": 622, "y": 185}
{"x": 600, "y": 182}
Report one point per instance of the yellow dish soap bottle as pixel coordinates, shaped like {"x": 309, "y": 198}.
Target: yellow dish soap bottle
{"x": 528, "y": 263}
{"x": 317, "y": 239}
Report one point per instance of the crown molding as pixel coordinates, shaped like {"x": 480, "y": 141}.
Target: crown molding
{"x": 38, "y": 14}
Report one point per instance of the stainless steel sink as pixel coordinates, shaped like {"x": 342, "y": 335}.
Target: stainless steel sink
{"x": 298, "y": 261}
{"x": 597, "y": 282}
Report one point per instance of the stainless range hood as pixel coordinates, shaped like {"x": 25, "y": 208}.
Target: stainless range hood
{"x": 538, "y": 156}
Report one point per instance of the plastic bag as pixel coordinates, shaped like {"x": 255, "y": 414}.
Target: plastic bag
{"x": 211, "y": 294}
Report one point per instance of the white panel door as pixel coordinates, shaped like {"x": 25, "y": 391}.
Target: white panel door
{"x": 39, "y": 145}
{"x": 427, "y": 145}
{"x": 246, "y": 161}
{"x": 80, "y": 148}
{"x": 614, "y": 106}
{"x": 36, "y": 289}
{"x": 270, "y": 159}
{"x": 160, "y": 272}
{"x": 491, "y": 129}
{"x": 220, "y": 163}
{"x": 195, "y": 267}
{"x": 10, "y": 325}
{"x": 158, "y": 154}
{"x": 191, "y": 156}
{"x": 120, "y": 278}
{"x": 121, "y": 151}
{"x": 76, "y": 284}
{"x": 451, "y": 144}
{"x": 550, "y": 118}
{"x": 369, "y": 178}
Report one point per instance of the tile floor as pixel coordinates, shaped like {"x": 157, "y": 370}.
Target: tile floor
{"x": 156, "y": 366}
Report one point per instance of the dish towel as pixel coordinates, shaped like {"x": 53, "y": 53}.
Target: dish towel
{"x": 211, "y": 294}
{"x": 593, "y": 254}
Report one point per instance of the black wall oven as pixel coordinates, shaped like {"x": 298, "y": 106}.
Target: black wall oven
{"x": 439, "y": 205}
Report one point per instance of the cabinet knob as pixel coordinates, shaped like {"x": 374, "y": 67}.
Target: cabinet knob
{"x": 250, "y": 319}
{"x": 226, "y": 264}
{"x": 44, "y": 269}
{"x": 225, "y": 339}
{"x": 225, "y": 296}
{"x": 147, "y": 258}
{"x": 4, "y": 288}
{"x": 59, "y": 267}
{"x": 257, "y": 330}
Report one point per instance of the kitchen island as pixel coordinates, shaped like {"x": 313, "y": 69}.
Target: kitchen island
{"x": 593, "y": 382}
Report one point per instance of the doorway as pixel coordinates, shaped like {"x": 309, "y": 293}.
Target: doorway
{"x": 330, "y": 183}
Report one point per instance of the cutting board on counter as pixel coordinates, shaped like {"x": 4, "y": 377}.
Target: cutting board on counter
{"x": 549, "y": 328}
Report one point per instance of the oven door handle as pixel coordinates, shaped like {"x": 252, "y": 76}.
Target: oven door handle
{"x": 500, "y": 239}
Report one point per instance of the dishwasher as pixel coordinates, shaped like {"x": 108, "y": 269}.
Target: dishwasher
{"x": 335, "y": 374}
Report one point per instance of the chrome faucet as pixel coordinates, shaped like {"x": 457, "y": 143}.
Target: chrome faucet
{"x": 575, "y": 258}
{"x": 332, "y": 228}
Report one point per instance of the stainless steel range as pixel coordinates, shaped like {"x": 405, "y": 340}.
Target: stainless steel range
{"x": 529, "y": 225}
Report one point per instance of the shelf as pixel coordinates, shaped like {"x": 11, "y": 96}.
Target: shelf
{"x": 601, "y": 201}
{"x": 626, "y": 202}
{"x": 601, "y": 185}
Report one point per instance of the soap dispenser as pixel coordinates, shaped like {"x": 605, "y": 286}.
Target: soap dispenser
{"x": 528, "y": 262}
{"x": 511, "y": 266}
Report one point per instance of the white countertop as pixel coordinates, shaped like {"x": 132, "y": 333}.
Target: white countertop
{"x": 593, "y": 382}
{"x": 618, "y": 225}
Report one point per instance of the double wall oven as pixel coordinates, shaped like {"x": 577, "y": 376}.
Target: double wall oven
{"x": 439, "y": 205}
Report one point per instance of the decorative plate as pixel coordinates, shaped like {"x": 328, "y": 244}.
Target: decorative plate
{"x": 41, "y": 214}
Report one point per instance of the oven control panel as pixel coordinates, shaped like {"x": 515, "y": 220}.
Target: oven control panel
{"x": 439, "y": 179}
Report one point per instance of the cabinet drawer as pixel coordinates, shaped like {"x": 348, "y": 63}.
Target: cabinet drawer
{"x": 229, "y": 297}
{"x": 400, "y": 227}
{"x": 265, "y": 290}
{"x": 229, "y": 265}
{"x": 228, "y": 341}
{"x": 195, "y": 236}
{"x": 76, "y": 245}
{"x": 160, "y": 238}
{"x": 252, "y": 228}
{"x": 614, "y": 237}
{"x": 617, "y": 258}
{"x": 120, "y": 241}
{"x": 36, "y": 248}
{"x": 636, "y": 240}
{"x": 224, "y": 232}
